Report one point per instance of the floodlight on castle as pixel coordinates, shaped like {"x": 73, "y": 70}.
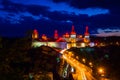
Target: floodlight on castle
{"x": 68, "y": 40}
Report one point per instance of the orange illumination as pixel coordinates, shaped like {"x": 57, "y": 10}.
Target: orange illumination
{"x": 90, "y": 63}
{"x": 44, "y": 37}
{"x": 86, "y": 40}
{"x": 81, "y": 71}
{"x": 86, "y": 31}
{"x": 83, "y": 60}
{"x": 35, "y": 34}
{"x": 101, "y": 70}
{"x": 56, "y": 34}
{"x": 67, "y": 35}
{"x": 73, "y": 30}
{"x": 80, "y": 36}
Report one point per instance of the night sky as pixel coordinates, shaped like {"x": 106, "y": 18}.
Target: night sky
{"x": 18, "y": 17}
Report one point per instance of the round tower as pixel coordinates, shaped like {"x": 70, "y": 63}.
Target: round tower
{"x": 56, "y": 34}
{"x": 73, "y": 33}
{"x": 86, "y": 35}
{"x": 35, "y": 34}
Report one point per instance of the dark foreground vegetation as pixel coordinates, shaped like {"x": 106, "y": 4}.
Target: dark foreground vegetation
{"x": 17, "y": 59}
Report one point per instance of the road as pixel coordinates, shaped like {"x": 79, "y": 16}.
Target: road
{"x": 82, "y": 72}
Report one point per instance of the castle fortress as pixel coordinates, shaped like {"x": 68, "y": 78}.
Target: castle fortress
{"x": 68, "y": 40}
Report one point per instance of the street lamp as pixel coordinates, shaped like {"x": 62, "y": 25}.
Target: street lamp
{"x": 83, "y": 60}
{"x": 77, "y": 57}
{"x": 102, "y": 74}
{"x": 90, "y": 63}
{"x": 101, "y": 70}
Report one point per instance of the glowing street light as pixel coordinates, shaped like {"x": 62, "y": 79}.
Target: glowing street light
{"x": 82, "y": 44}
{"x": 101, "y": 70}
{"x": 70, "y": 53}
{"x": 90, "y": 63}
{"x": 83, "y": 60}
{"x": 77, "y": 57}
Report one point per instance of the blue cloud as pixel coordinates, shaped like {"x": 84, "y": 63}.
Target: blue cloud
{"x": 107, "y": 32}
{"x": 69, "y": 21}
{"x": 15, "y": 18}
{"x": 1, "y": 6}
{"x": 63, "y": 7}
{"x": 94, "y": 11}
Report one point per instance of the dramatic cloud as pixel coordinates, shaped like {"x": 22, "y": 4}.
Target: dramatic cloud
{"x": 14, "y": 18}
{"x": 107, "y": 32}
{"x": 58, "y": 14}
{"x": 64, "y": 7}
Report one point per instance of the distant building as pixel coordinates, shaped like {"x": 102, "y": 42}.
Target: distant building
{"x": 68, "y": 40}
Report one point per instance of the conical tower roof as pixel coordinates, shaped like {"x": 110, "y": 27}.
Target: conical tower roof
{"x": 73, "y": 30}
{"x": 86, "y": 31}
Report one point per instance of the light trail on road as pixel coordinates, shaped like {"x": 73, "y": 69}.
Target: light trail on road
{"x": 83, "y": 72}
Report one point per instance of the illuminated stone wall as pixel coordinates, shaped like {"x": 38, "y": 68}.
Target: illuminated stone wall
{"x": 61, "y": 45}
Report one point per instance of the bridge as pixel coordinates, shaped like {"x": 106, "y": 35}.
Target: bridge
{"x": 79, "y": 71}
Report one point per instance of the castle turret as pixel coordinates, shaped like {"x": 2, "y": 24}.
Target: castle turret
{"x": 86, "y": 31}
{"x": 44, "y": 37}
{"x": 56, "y": 34}
{"x": 73, "y": 33}
{"x": 35, "y": 34}
{"x": 86, "y": 35}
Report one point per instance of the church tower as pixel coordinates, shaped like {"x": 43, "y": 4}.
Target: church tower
{"x": 35, "y": 34}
